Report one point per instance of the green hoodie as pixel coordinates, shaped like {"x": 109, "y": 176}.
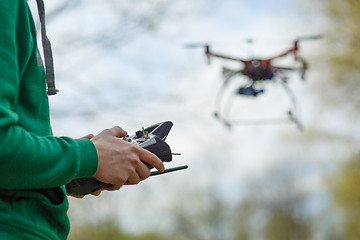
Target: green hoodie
{"x": 34, "y": 164}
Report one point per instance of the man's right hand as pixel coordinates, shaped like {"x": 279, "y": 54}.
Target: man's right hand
{"x": 120, "y": 162}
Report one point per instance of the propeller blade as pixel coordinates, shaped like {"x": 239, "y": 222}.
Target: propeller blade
{"x": 195, "y": 45}
{"x": 287, "y": 68}
{"x": 312, "y": 37}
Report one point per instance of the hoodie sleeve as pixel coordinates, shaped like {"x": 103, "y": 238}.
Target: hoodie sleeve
{"x": 30, "y": 157}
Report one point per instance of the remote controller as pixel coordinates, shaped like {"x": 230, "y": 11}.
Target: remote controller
{"x": 151, "y": 138}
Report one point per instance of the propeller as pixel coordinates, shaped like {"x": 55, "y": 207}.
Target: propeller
{"x": 311, "y": 37}
{"x": 196, "y": 45}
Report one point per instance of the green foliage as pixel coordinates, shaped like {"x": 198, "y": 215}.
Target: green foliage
{"x": 274, "y": 209}
{"x": 342, "y": 74}
{"x": 346, "y": 194}
{"x": 341, "y": 70}
{"x": 344, "y": 35}
{"x": 108, "y": 230}
{"x": 282, "y": 224}
{"x": 273, "y": 221}
{"x": 206, "y": 217}
{"x": 242, "y": 225}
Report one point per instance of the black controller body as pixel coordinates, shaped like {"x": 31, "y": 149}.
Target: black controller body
{"x": 151, "y": 138}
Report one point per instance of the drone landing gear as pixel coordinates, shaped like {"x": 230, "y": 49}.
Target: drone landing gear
{"x": 223, "y": 121}
{"x": 222, "y": 116}
{"x": 295, "y": 120}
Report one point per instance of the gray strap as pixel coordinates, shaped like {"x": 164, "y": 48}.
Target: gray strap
{"x": 49, "y": 64}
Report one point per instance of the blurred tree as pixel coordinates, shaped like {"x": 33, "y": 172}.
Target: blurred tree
{"x": 283, "y": 224}
{"x": 89, "y": 41}
{"x": 340, "y": 86}
{"x": 242, "y": 223}
{"x": 341, "y": 51}
{"x": 275, "y": 208}
{"x": 346, "y": 194}
{"x": 207, "y": 218}
{"x": 110, "y": 23}
{"x": 343, "y": 74}
{"x": 108, "y": 230}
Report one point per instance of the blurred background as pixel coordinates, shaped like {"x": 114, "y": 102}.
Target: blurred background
{"x": 124, "y": 63}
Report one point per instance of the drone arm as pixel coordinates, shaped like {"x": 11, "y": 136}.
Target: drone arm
{"x": 285, "y": 68}
{"x": 210, "y": 54}
{"x": 228, "y": 75}
{"x": 291, "y": 50}
{"x": 295, "y": 48}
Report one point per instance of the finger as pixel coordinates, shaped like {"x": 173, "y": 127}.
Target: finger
{"x": 133, "y": 178}
{"x": 110, "y": 187}
{"x": 117, "y": 132}
{"x": 152, "y": 159}
{"x": 143, "y": 171}
{"x": 97, "y": 193}
{"x": 128, "y": 183}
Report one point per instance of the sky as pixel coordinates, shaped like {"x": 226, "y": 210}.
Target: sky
{"x": 153, "y": 78}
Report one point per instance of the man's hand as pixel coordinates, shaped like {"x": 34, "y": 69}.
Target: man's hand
{"x": 120, "y": 162}
{"x": 97, "y": 193}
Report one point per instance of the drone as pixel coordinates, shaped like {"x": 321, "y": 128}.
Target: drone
{"x": 258, "y": 70}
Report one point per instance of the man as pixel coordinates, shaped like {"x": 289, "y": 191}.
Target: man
{"x": 35, "y": 165}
